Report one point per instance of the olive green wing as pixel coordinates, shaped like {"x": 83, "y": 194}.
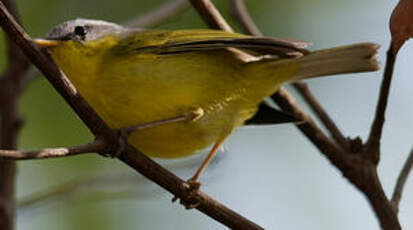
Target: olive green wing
{"x": 180, "y": 41}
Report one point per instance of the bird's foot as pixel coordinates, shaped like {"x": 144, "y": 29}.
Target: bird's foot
{"x": 125, "y": 132}
{"x": 191, "y": 190}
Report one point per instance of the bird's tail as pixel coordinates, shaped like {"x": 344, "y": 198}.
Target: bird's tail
{"x": 267, "y": 75}
{"x": 345, "y": 59}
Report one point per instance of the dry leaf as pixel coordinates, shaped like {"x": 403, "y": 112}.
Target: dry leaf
{"x": 401, "y": 24}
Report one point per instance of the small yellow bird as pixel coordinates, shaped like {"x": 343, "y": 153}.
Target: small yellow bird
{"x": 132, "y": 77}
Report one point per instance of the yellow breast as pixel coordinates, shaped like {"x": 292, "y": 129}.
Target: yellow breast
{"x": 145, "y": 88}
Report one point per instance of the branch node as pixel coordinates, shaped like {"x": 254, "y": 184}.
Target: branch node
{"x": 355, "y": 145}
{"x": 191, "y": 195}
{"x": 372, "y": 151}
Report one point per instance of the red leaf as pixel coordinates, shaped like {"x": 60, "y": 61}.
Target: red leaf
{"x": 401, "y": 24}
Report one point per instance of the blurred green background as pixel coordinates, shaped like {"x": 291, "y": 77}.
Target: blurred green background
{"x": 272, "y": 175}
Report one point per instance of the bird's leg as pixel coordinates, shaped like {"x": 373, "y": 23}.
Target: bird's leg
{"x": 193, "y": 184}
{"x": 125, "y": 132}
{"x": 201, "y": 169}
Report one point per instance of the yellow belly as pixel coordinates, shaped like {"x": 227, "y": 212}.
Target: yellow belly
{"x": 130, "y": 88}
{"x": 165, "y": 87}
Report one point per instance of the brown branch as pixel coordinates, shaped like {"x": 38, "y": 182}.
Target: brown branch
{"x": 214, "y": 20}
{"x": 211, "y": 15}
{"x": 97, "y": 146}
{"x": 284, "y": 100}
{"x": 401, "y": 181}
{"x": 355, "y": 168}
{"x": 361, "y": 173}
{"x": 10, "y": 124}
{"x": 158, "y": 15}
{"x": 53, "y": 74}
{"x": 179, "y": 188}
{"x": 373, "y": 142}
{"x": 134, "y": 185}
{"x": 303, "y": 89}
{"x": 129, "y": 156}
{"x": 310, "y": 129}
{"x": 241, "y": 14}
{"x": 149, "y": 19}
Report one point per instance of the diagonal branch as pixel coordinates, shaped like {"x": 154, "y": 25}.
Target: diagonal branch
{"x": 303, "y": 89}
{"x": 214, "y": 20}
{"x": 401, "y": 181}
{"x": 158, "y": 15}
{"x": 309, "y": 128}
{"x": 130, "y": 155}
{"x": 53, "y": 74}
{"x": 209, "y": 13}
{"x": 150, "y": 19}
{"x": 359, "y": 172}
{"x": 96, "y": 146}
{"x": 373, "y": 142}
{"x": 84, "y": 186}
{"x": 241, "y": 14}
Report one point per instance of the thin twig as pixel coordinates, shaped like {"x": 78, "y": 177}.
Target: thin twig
{"x": 86, "y": 185}
{"x": 363, "y": 176}
{"x": 373, "y": 142}
{"x": 54, "y": 75}
{"x": 360, "y": 172}
{"x": 150, "y": 19}
{"x": 10, "y": 123}
{"x": 96, "y": 146}
{"x": 75, "y": 194}
{"x": 329, "y": 148}
{"x": 158, "y": 15}
{"x": 287, "y": 102}
{"x": 401, "y": 181}
{"x": 214, "y": 20}
{"x": 119, "y": 184}
{"x": 283, "y": 98}
{"x": 130, "y": 155}
{"x": 241, "y": 14}
{"x": 211, "y": 15}
{"x": 29, "y": 77}
{"x": 303, "y": 89}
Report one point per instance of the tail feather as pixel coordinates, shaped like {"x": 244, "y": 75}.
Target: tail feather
{"x": 345, "y": 59}
{"x": 339, "y": 60}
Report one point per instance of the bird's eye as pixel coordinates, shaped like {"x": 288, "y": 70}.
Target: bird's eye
{"x": 80, "y": 31}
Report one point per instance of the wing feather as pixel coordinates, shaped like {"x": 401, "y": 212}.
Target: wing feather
{"x": 181, "y": 41}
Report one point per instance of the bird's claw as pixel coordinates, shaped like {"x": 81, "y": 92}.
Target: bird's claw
{"x": 191, "y": 190}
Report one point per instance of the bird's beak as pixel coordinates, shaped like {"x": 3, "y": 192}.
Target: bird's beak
{"x": 46, "y": 43}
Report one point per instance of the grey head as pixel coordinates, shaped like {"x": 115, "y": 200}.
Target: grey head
{"x": 83, "y": 30}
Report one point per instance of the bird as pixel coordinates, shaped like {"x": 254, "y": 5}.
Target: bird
{"x": 190, "y": 82}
